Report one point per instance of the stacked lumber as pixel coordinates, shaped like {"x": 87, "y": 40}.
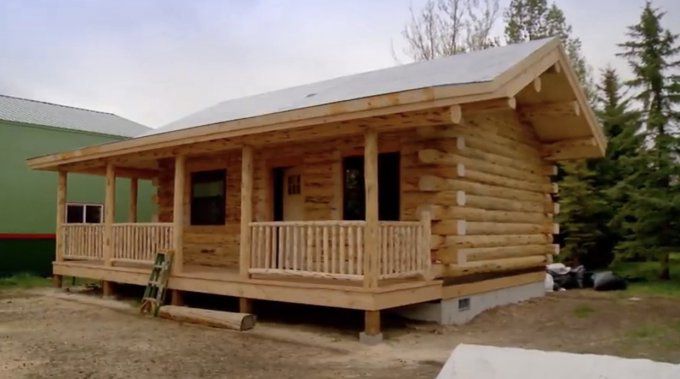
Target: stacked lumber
{"x": 489, "y": 193}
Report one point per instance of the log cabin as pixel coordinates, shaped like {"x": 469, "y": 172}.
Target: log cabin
{"x": 404, "y": 187}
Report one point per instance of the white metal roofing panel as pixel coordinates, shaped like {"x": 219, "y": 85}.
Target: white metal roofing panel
{"x": 474, "y": 67}
{"x": 65, "y": 117}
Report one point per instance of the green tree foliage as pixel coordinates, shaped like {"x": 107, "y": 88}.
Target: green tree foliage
{"x": 587, "y": 204}
{"x": 527, "y": 20}
{"x": 651, "y": 216}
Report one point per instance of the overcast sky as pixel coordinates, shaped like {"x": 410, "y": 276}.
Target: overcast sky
{"x": 156, "y": 61}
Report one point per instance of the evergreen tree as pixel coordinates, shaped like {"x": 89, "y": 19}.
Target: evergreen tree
{"x": 528, "y": 20}
{"x": 650, "y": 216}
{"x": 587, "y": 205}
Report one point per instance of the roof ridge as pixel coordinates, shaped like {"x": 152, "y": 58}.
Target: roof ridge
{"x": 58, "y": 105}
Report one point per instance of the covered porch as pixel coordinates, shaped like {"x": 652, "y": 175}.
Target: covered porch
{"x": 249, "y": 244}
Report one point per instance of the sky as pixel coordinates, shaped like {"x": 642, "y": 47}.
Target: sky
{"x": 156, "y": 61}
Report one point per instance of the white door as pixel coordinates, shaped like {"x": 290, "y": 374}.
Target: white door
{"x": 293, "y": 202}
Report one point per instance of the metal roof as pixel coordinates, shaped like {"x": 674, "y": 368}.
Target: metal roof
{"x": 61, "y": 116}
{"x": 473, "y": 67}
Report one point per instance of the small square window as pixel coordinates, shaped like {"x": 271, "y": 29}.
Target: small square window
{"x": 84, "y": 213}
{"x": 294, "y": 185}
{"x": 208, "y": 196}
{"x": 464, "y": 304}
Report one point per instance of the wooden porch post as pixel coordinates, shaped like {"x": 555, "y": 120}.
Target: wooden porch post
{"x": 62, "y": 188}
{"x": 371, "y": 188}
{"x": 246, "y": 209}
{"x": 109, "y": 213}
{"x": 132, "y": 211}
{"x": 178, "y": 215}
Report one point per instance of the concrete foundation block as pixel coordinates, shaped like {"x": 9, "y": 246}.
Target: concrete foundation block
{"x": 370, "y": 339}
{"x": 460, "y": 310}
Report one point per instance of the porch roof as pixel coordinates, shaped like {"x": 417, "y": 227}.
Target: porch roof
{"x": 503, "y": 72}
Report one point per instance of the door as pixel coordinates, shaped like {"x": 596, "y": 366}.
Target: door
{"x": 288, "y": 198}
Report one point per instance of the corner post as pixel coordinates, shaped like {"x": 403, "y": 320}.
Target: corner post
{"x": 371, "y": 254}
{"x": 246, "y": 210}
{"x": 178, "y": 215}
{"x": 62, "y": 188}
{"x": 132, "y": 211}
{"x": 109, "y": 213}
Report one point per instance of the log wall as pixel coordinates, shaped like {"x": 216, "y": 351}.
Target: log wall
{"x": 484, "y": 182}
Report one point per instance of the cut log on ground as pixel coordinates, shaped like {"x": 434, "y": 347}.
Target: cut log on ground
{"x": 218, "y": 319}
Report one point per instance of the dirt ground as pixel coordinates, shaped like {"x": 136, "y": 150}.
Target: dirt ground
{"x": 44, "y": 335}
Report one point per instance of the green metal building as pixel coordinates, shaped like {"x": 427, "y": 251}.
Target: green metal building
{"x": 31, "y": 128}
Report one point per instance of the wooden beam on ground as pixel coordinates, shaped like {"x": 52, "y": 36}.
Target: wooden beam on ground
{"x": 246, "y": 209}
{"x": 109, "y": 213}
{"x": 178, "y": 214}
{"x": 569, "y": 149}
{"x": 132, "y": 210}
{"x": 218, "y": 319}
{"x": 371, "y": 270}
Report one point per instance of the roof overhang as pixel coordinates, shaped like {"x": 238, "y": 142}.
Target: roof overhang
{"x": 506, "y": 85}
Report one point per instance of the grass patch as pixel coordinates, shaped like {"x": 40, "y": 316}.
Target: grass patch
{"x": 648, "y": 331}
{"x": 644, "y": 277}
{"x": 583, "y": 311}
{"x": 23, "y": 280}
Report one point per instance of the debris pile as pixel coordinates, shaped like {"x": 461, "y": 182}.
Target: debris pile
{"x": 560, "y": 278}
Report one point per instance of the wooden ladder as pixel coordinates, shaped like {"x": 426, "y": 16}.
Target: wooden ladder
{"x": 154, "y": 294}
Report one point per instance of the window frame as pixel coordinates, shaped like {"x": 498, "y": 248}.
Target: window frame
{"x": 84, "y": 212}
{"x": 223, "y": 209}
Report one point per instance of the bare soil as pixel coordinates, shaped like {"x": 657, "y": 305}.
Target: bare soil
{"x": 43, "y": 335}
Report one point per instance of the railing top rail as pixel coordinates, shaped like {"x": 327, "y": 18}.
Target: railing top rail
{"x": 309, "y": 223}
{"x": 142, "y": 224}
{"x": 399, "y": 223}
{"x": 80, "y": 224}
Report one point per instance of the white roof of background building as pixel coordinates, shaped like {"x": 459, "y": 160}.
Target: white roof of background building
{"x": 61, "y": 116}
{"x": 473, "y": 67}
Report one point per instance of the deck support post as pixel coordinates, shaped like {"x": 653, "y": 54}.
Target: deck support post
{"x": 62, "y": 186}
{"x": 107, "y": 288}
{"x": 132, "y": 211}
{"x": 246, "y": 210}
{"x": 109, "y": 213}
{"x": 178, "y": 215}
{"x": 371, "y": 189}
{"x": 176, "y": 297}
{"x": 245, "y": 305}
{"x": 371, "y": 334}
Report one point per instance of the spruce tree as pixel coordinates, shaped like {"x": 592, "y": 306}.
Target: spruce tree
{"x": 527, "y": 20}
{"x": 651, "y": 215}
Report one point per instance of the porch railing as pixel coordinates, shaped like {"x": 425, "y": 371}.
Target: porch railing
{"x": 131, "y": 242}
{"x": 335, "y": 249}
{"x": 138, "y": 242}
{"x": 83, "y": 241}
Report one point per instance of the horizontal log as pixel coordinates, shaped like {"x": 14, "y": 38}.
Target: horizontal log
{"x": 494, "y": 240}
{"x": 219, "y": 319}
{"x": 434, "y": 156}
{"x": 501, "y": 252}
{"x": 447, "y": 198}
{"x": 440, "y": 212}
{"x": 496, "y": 203}
{"x": 484, "y": 178}
{"x": 474, "y": 228}
{"x": 552, "y": 109}
{"x": 463, "y": 148}
{"x": 569, "y": 149}
{"x": 449, "y": 227}
{"x": 498, "y": 265}
{"x": 433, "y": 183}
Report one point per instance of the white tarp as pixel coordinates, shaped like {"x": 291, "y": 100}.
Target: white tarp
{"x": 490, "y": 362}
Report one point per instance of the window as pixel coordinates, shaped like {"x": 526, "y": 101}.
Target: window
{"x": 84, "y": 213}
{"x": 294, "y": 185}
{"x": 208, "y": 197}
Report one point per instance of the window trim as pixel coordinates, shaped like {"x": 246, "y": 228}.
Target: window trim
{"x": 84, "y": 206}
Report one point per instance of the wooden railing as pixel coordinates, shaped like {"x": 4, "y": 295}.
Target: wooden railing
{"x": 322, "y": 249}
{"x": 404, "y": 249}
{"x": 335, "y": 249}
{"x": 83, "y": 241}
{"x": 139, "y": 242}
